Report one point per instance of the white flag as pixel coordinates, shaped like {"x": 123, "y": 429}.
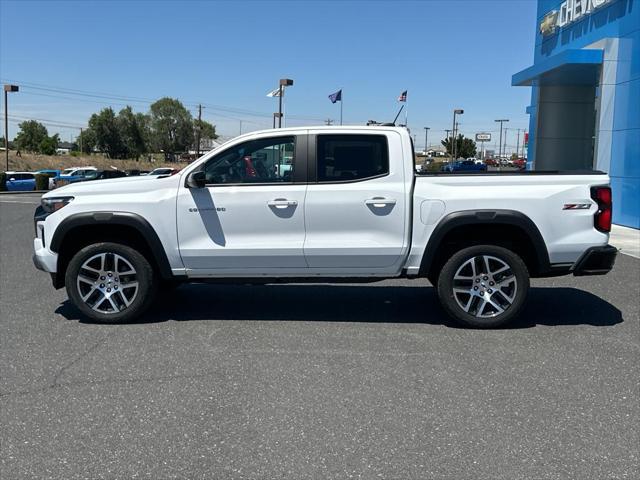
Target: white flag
{"x": 274, "y": 93}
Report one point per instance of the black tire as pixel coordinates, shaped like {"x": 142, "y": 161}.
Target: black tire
{"x": 494, "y": 299}
{"x": 118, "y": 258}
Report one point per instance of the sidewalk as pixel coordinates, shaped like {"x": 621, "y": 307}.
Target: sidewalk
{"x": 626, "y": 239}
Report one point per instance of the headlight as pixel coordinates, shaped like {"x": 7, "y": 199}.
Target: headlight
{"x": 53, "y": 204}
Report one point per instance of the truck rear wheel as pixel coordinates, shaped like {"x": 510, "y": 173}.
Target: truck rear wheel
{"x": 110, "y": 282}
{"x": 483, "y": 286}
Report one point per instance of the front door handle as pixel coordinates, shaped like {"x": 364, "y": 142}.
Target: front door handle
{"x": 380, "y": 202}
{"x": 282, "y": 203}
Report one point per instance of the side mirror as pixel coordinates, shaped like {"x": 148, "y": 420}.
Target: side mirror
{"x": 196, "y": 179}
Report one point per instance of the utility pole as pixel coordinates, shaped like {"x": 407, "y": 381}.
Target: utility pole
{"x": 448, "y": 138}
{"x": 518, "y": 145}
{"x": 426, "y": 138}
{"x": 501, "y": 121}
{"x": 198, "y": 131}
{"x": 240, "y": 127}
{"x": 81, "y": 141}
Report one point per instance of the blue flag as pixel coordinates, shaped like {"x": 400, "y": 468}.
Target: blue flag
{"x": 336, "y": 97}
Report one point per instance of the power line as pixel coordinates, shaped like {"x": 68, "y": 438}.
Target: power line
{"x": 122, "y": 98}
{"x": 55, "y": 123}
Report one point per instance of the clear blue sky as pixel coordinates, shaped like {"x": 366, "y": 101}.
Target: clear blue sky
{"x": 228, "y": 55}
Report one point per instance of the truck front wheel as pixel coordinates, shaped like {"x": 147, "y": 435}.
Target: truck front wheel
{"x": 110, "y": 282}
{"x": 483, "y": 286}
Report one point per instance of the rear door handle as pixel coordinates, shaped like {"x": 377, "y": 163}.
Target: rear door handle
{"x": 282, "y": 203}
{"x": 380, "y": 202}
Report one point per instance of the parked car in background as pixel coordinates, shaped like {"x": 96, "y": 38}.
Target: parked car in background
{"x": 21, "y": 181}
{"x": 464, "y": 166}
{"x": 52, "y": 174}
{"x": 72, "y": 175}
{"x": 135, "y": 172}
{"x": 520, "y": 163}
{"x": 490, "y": 162}
{"x": 68, "y": 172}
{"x": 164, "y": 171}
{"x": 102, "y": 175}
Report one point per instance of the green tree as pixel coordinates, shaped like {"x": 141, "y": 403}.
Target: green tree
{"x": 171, "y": 126}
{"x": 133, "y": 132}
{"x": 48, "y": 145}
{"x": 108, "y": 137}
{"x": 465, "y": 147}
{"x": 207, "y": 130}
{"x": 86, "y": 141}
{"x": 30, "y": 136}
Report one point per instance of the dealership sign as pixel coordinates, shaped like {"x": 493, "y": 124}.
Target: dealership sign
{"x": 483, "y": 137}
{"x": 570, "y": 11}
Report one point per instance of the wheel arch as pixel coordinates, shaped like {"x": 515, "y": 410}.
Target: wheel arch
{"x": 508, "y": 228}
{"x": 82, "y": 229}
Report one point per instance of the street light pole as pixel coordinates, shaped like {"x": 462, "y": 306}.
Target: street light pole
{"x": 426, "y": 137}
{"x": 284, "y": 82}
{"x": 501, "y": 121}
{"x": 457, "y": 111}
{"x": 504, "y": 150}
{"x": 7, "y": 88}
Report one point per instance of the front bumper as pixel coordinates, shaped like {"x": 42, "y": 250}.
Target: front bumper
{"x": 43, "y": 258}
{"x": 596, "y": 261}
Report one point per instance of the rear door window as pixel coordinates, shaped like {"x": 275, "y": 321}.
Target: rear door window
{"x": 345, "y": 158}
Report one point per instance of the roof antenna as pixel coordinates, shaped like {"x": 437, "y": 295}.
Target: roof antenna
{"x": 395, "y": 119}
{"x": 386, "y": 124}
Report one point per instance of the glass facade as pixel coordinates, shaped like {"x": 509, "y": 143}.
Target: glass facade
{"x": 585, "y": 101}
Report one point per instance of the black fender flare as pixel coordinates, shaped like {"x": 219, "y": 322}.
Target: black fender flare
{"x": 486, "y": 217}
{"x": 115, "y": 218}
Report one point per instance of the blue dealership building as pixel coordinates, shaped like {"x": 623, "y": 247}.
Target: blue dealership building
{"x": 585, "y": 101}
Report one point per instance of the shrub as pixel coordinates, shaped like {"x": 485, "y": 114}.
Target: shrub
{"x": 42, "y": 181}
{"x": 3, "y": 182}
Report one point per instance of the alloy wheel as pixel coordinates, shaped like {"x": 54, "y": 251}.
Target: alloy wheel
{"x": 484, "y": 286}
{"x": 107, "y": 283}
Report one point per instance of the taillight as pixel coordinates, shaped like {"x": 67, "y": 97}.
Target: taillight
{"x": 602, "y": 218}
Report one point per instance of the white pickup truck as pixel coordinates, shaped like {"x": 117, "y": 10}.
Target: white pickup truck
{"x": 323, "y": 204}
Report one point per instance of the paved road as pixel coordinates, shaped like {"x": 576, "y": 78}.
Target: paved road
{"x": 297, "y": 382}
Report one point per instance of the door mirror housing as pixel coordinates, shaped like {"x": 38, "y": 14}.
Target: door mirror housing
{"x": 196, "y": 179}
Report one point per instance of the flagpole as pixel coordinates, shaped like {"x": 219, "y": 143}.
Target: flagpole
{"x": 406, "y": 109}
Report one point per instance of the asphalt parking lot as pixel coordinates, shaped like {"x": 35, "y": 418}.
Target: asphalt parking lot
{"x": 307, "y": 381}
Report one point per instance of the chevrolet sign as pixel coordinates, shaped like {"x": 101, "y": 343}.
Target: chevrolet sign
{"x": 570, "y": 11}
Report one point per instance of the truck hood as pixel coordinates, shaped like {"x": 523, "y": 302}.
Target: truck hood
{"x": 114, "y": 185}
